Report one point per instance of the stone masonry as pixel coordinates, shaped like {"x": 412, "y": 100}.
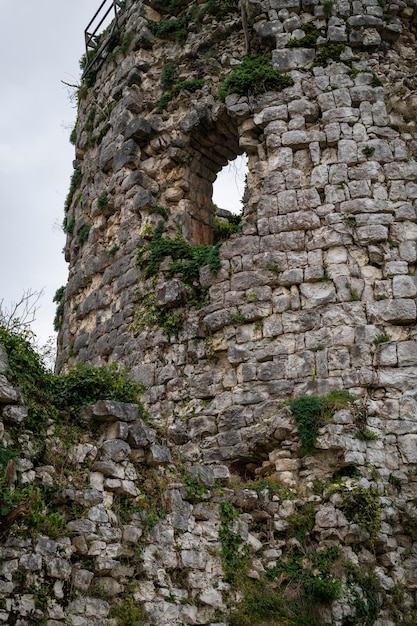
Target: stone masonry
{"x": 316, "y": 293}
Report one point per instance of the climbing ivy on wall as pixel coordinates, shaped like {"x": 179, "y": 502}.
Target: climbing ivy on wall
{"x": 186, "y": 259}
{"x": 255, "y": 75}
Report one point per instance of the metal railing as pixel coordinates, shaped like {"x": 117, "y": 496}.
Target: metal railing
{"x": 98, "y": 46}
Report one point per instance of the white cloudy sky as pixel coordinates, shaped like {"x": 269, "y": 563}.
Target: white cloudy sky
{"x": 41, "y": 42}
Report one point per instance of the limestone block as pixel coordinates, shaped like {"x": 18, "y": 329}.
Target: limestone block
{"x": 59, "y": 568}
{"x": 246, "y": 245}
{"x": 320, "y": 177}
{"x": 128, "y": 154}
{"x": 395, "y": 268}
{"x": 407, "y": 353}
{"x": 401, "y": 171}
{"x": 347, "y": 115}
{"x": 297, "y": 139}
{"x": 379, "y": 113}
{"x": 8, "y": 394}
{"x": 400, "y": 311}
{"x": 269, "y": 29}
{"x": 115, "y": 450}
{"x": 81, "y": 526}
{"x": 195, "y": 559}
{"x": 404, "y": 379}
{"x": 387, "y": 355}
{"x": 158, "y": 455}
{"x": 371, "y": 234}
{"x": 366, "y": 205}
{"x": 170, "y": 294}
{"x": 111, "y": 411}
{"x": 290, "y": 5}
{"x": 140, "y": 435}
{"x": 140, "y": 130}
{"x": 305, "y": 108}
{"x": 365, "y": 21}
{"x": 407, "y": 445}
{"x": 4, "y": 361}
{"x": 316, "y": 294}
{"x": 347, "y": 151}
{"x": 337, "y": 33}
{"x": 270, "y": 114}
{"x": 15, "y": 414}
{"x": 404, "y": 286}
{"x": 108, "y": 468}
{"x": 291, "y": 59}
{"x": 330, "y": 517}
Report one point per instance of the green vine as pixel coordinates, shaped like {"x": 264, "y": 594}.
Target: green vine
{"x": 310, "y": 412}
{"x": 255, "y": 75}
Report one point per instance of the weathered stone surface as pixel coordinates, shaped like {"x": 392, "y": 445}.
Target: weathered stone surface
{"x": 171, "y": 294}
{"x": 8, "y": 394}
{"x": 110, "y": 411}
{"x": 400, "y": 311}
{"x": 140, "y": 435}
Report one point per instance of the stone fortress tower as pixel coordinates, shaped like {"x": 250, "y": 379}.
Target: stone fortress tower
{"x": 314, "y": 292}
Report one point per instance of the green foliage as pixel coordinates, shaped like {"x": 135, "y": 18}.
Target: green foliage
{"x": 354, "y": 295}
{"x": 103, "y": 200}
{"x": 127, "y": 613}
{"x": 394, "y": 480}
{"x": 307, "y": 412}
{"x": 186, "y": 259}
{"x": 301, "y": 523}
{"x": 368, "y": 151}
{"x": 261, "y": 602}
{"x": 31, "y": 376}
{"x": 191, "y": 85}
{"x": 222, "y": 7}
{"x": 149, "y": 315}
{"x": 83, "y": 234}
{"x": 85, "y": 385}
{"x": 328, "y": 7}
{"x": 68, "y": 225}
{"x": 291, "y": 592}
{"x": 364, "y": 434}
{"x": 172, "y": 28}
{"x": 329, "y": 52}
{"x": 312, "y": 33}
{"x": 112, "y": 252}
{"x": 159, "y": 210}
{"x": 6, "y": 455}
{"x": 47, "y": 395}
{"x": 168, "y": 76}
{"x": 311, "y": 411}
{"x": 75, "y": 182}
{"x": 73, "y": 136}
{"x": 196, "y": 490}
{"x": 255, "y": 75}
{"x": 382, "y": 338}
{"x": 376, "y": 81}
{"x": 234, "y": 558}
{"x": 236, "y": 319}
{"x": 223, "y": 230}
{"x": 364, "y": 589}
{"x": 272, "y": 267}
{"x": 363, "y": 507}
{"x": 126, "y": 41}
{"x": 350, "y": 222}
{"x": 60, "y": 302}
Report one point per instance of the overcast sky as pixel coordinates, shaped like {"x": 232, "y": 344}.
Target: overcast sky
{"x": 41, "y": 42}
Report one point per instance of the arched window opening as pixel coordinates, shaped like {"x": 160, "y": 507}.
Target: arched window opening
{"x": 229, "y": 186}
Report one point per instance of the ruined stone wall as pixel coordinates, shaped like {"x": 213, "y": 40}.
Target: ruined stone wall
{"x": 316, "y": 292}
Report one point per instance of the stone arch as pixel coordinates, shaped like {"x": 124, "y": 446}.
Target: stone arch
{"x": 213, "y": 141}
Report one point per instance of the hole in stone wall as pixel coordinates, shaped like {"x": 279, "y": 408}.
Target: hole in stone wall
{"x": 229, "y": 186}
